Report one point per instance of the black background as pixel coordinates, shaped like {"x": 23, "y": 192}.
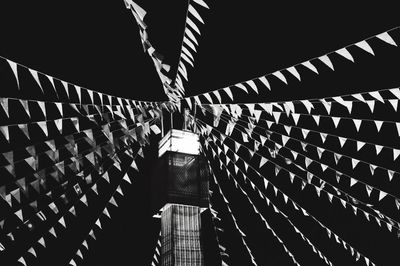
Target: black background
{"x": 96, "y": 44}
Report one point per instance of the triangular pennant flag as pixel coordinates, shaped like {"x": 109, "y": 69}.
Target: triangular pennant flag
{"x": 35, "y": 75}
{"x": 32, "y": 251}
{"x": 342, "y": 141}
{"x": 42, "y": 107}
{"x": 59, "y": 107}
{"x": 352, "y": 182}
{"x": 252, "y": 85}
{"x": 360, "y": 144}
{"x": 113, "y": 202}
{"x": 98, "y": 223}
{"x": 325, "y": 59}
{"x": 295, "y": 117}
{"x": 336, "y": 121}
{"x": 41, "y": 242}
{"x": 105, "y": 211}
{"x": 294, "y": 72}
{"x": 386, "y": 38}
{"x": 229, "y": 92}
{"x": 345, "y": 53}
{"x": 371, "y": 105}
{"x": 357, "y": 124}
{"x": 127, "y": 179}
{"x": 390, "y": 174}
{"x": 365, "y": 46}
{"x": 354, "y": 162}
{"x": 78, "y": 92}
{"x": 14, "y": 68}
{"x": 372, "y": 168}
{"x": 396, "y": 154}
{"x": 276, "y": 115}
{"x": 22, "y": 260}
{"x": 382, "y": 194}
{"x": 5, "y": 131}
{"x": 4, "y": 104}
{"x": 53, "y": 232}
{"x": 25, "y": 105}
{"x": 62, "y": 221}
{"x": 369, "y": 190}
{"x": 263, "y": 161}
{"x": 79, "y": 254}
{"x": 280, "y": 76}
{"x": 394, "y": 103}
{"x": 310, "y": 66}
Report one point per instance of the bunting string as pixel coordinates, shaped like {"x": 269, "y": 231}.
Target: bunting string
{"x": 116, "y": 190}
{"x": 187, "y": 47}
{"x": 84, "y": 155}
{"x": 343, "y": 52}
{"x": 288, "y": 128}
{"x": 339, "y": 191}
{"x": 390, "y": 224}
{"x": 286, "y": 199}
{"x": 77, "y": 157}
{"x": 242, "y": 235}
{"x": 361, "y": 97}
{"x": 285, "y": 138}
{"x": 82, "y": 199}
{"x": 279, "y": 211}
{"x": 65, "y": 84}
{"x": 25, "y": 218}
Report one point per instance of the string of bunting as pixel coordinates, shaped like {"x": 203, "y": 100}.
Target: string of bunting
{"x": 40, "y": 76}
{"x": 323, "y": 183}
{"x": 157, "y": 255}
{"x": 263, "y": 82}
{"x": 337, "y": 156}
{"x": 305, "y": 132}
{"x": 105, "y": 211}
{"x": 189, "y": 41}
{"x": 277, "y": 210}
{"x": 173, "y": 93}
{"x": 76, "y": 157}
{"x": 242, "y": 235}
{"x": 217, "y": 229}
{"x": 82, "y": 198}
{"x": 286, "y": 200}
{"x": 379, "y": 217}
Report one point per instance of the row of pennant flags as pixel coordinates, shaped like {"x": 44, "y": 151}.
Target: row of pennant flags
{"x": 307, "y": 161}
{"x": 106, "y": 177}
{"x": 173, "y": 87}
{"x": 91, "y": 112}
{"x": 70, "y": 89}
{"x": 76, "y": 156}
{"x": 105, "y": 212}
{"x": 264, "y": 82}
{"x": 189, "y": 41}
{"x": 233, "y": 114}
{"x": 162, "y": 68}
{"x": 66, "y": 151}
{"x": 296, "y": 206}
{"x": 82, "y": 199}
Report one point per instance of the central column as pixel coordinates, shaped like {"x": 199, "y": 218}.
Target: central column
{"x": 180, "y": 194}
{"x": 180, "y": 236}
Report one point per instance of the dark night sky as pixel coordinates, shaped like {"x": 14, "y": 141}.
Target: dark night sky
{"x": 96, "y": 44}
